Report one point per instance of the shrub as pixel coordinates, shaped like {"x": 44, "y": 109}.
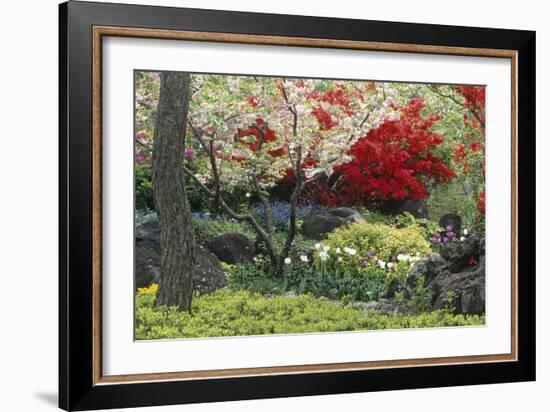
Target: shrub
{"x": 396, "y": 159}
{"x": 360, "y": 260}
{"x": 208, "y": 226}
{"x": 378, "y": 240}
{"x": 428, "y": 227}
{"x": 144, "y": 187}
{"x": 227, "y": 313}
{"x": 254, "y": 277}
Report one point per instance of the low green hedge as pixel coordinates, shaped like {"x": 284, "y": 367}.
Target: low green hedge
{"x": 241, "y": 313}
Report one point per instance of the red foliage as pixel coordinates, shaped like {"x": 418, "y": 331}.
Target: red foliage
{"x": 394, "y": 160}
{"x": 475, "y": 102}
{"x": 326, "y": 122}
{"x": 481, "y": 203}
{"x": 335, "y": 96}
{"x": 252, "y": 101}
{"x": 289, "y": 173}
{"x": 475, "y": 146}
{"x": 269, "y": 136}
{"x": 319, "y": 192}
{"x": 460, "y": 153}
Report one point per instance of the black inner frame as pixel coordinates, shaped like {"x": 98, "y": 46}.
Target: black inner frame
{"x": 76, "y": 388}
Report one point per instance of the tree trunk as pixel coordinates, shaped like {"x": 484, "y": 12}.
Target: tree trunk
{"x": 177, "y": 242}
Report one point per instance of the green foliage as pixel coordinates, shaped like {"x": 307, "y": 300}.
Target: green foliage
{"x": 421, "y": 297}
{"x": 144, "y": 187}
{"x": 145, "y": 216}
{"x": 373, "y": 216}
{"x": 227, "y": 313}
{"x": 449, "y": 301}
{"x": 429, "y": 227}
{"x": 338, "y": 281}
{"x": 208, "y": 228}
{"x": 254, "y": 277}
{"x": 458, "y": 197}
{"x": 386, "y": 241}
{"x": 198, "y": 201}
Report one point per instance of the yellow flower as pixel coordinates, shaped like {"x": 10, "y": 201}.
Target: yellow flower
{"x": 150, "y": 290}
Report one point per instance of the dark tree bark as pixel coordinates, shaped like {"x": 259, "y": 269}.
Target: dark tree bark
{"x": 177, "y": 242}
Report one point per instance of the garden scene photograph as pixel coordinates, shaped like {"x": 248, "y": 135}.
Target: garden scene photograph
{"x": 281, "y": 205}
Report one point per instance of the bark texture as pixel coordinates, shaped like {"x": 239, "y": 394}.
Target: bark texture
{"x": 177, "y": 242}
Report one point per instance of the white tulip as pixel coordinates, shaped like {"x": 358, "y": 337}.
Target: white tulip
{"x": 288, "y": 261}
{"x": 317, "y": 245}
{"x": 304, "y": 258}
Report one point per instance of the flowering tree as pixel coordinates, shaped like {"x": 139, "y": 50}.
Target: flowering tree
{"x": 257, "y": 130}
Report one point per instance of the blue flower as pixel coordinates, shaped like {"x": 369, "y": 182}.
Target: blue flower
{"x": 280, "y": 212}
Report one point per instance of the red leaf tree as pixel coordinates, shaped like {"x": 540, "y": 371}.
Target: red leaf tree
{"x": 395, "y": 160}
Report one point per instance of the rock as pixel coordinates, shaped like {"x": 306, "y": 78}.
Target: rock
{"x": 147, "y": 266}
{"x": 317, "y": 226}
{"x": 467, "y": 289}
{"x": 351, "y": 215}
{"x": 394, "y": 287}
{"x": 459, "y": 254}
{"x": 209, "y": 275}
{"x": 414, "y": 207}
{"x": 453, "y": 220}
{"x": 385, "y": 305}
{"x": 459, "y": 274}
{"x": 233, "y": 248}
{"x": 429, "y": 268}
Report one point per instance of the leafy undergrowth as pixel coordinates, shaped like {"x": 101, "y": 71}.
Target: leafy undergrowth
{"x": 241, "y": 313}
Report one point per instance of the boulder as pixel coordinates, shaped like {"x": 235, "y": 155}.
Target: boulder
{"x": 414, "y": 207}
{"x": 459, "y": 254}
{"x": 233, "y": 248}
{"x": 429, "y": 268}
{"x": 147, "y": 254}
{"x": 453, "y": 220}
{"x": 458, "y": 273}
{"x": 317, "y": 226}
{"x": 384, "y": 305}
{"x": 209, "y": 275}
{"x": 351, "y": 215}
{"x": 467, "y": 289}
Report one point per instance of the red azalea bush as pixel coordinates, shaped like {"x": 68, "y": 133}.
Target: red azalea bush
{"x": 395, "y": 160}
{"x": 474, "y": 97}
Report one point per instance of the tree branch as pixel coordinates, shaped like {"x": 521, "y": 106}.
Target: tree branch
{"x": 453, "y": 99}
{"x": 145, "y": 145}
{"x": 293, "y": 205}
{"x": 248, "y": 217}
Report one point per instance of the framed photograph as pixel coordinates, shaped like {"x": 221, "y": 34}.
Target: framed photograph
{"x": 256, "y": 205}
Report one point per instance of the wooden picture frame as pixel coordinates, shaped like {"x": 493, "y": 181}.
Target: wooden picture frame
{"x": 83, "y": 26}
